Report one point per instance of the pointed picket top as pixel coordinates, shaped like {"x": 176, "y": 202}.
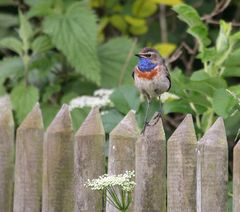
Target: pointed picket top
{"x": 6, "y": 111}
{"x": 92, "y": 125}
{"x": 184, "y": 130}
{"x": 154, "y": 130}
{"x": 127, "y": 127}
{"x": 215, "y": 135}
{"x": 62, "y": 121}
{"x": 237, "y": 146}
{"x": 33, "y": 119}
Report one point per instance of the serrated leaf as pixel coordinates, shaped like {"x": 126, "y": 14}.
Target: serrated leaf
{"x": 23, "y": 99}
{"x": 25, "y": 31}
{"x": 13, "y": 44}
{"x": 41, "y": 44}
{"x": 75, "y": 34}
{"x": 125, "y": 98}
{"x": 143, "y": 9}
{"x": 115, "y": 67}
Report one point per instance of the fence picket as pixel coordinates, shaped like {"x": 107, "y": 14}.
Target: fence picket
{"x": 89, "y": 162}
{"x": 181, "y": 168}
{"x": 122, "y": 149}
{"x": 58, "y": 163}
{"x": 212, "y": 171}
{"x": 6, "y": 155}
{"x": 150, "y": 192}
{"x": 28, "y": 166}
{"x": 236, "y": 178}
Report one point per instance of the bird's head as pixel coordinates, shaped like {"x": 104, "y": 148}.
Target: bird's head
{"x": 151, "y": 55}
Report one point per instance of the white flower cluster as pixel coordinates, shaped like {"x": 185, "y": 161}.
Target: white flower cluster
{"x": 124, "y": 181}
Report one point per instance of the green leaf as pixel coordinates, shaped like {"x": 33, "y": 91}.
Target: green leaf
{"x": 197, "y": 28}
{"x": 41, "y": 44}
{"x": 7, "y": 20}
{"x": 49, "y": 111}
{"x": 13, "y": 44}
{"x": 231, "y": 71}
{"x": 116, "y": 62}
{"x": 23, "y": 99}
{"x": 110, "y": 119}
{"x": 75, "y": 34}
{"x": 125, "y": 98}
{"x": 223, "y": 102}
{"x": 78, "y": 116}
{"x": 222, "y": 42}
{"x": 143, "y": 9}
{"x": 178, "y": 106}
{"x": 25, "y": 31}
{"x": 10, "y": 67}
{"x": 199, "y": 75}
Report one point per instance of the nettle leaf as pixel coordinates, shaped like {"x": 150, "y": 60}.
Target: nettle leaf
{"x": 25, "y": 30}
{"x": 125, "y": 98}
{"x": 13, "y": 44}
{"x": 41, "y": 44}
{"x": 113, "y": 55}
{"x": 223, "y": 102}
{"x": 23, "y": 99}
{"x": 75, "y": 34}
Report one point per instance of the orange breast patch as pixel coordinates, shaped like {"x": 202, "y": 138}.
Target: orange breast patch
{"x": 146, "y": 75}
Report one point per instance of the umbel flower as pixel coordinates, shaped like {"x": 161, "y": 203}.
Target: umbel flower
{"x": 117, "y": 189}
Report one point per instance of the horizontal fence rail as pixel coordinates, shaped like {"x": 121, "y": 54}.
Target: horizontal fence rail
{"x": 52, "y": 166}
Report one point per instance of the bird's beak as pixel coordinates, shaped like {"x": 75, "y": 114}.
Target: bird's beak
{"x": 137, "y": 55}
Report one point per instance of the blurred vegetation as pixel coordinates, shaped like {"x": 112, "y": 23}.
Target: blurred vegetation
{"x": 54, "y": 50}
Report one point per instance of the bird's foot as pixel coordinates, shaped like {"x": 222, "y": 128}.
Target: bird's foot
{"x": 144, "y": 127}
{"x": 156, "y": 118}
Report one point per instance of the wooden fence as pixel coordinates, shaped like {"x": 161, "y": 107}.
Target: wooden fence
{"x": 50, "y": 168}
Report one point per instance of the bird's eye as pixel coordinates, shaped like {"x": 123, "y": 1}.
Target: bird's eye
{"x": 148, "y": 55}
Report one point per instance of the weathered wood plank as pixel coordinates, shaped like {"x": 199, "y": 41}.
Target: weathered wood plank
{"x": 150, "y": 192}
{"x": 121, "y": 156}
{"x": 28, "y": 166}
{"x": 58, "y": 164}
{"x": 6, "y": 155}
{"x": 212, "y": 169}
{"x": 89, "y": 162}
{"x": 236, "y": 178}
{"x": 181, "y": 168}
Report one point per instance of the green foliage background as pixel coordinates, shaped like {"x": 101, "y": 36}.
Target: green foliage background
{"x": 55, "y": 50}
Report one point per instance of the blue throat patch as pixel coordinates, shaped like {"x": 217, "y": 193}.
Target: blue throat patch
{"x": 145, "y": 64}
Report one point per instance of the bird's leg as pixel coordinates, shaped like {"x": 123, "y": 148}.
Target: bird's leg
{"x": 146, "y": 123}
{"x": 159, "y": 114}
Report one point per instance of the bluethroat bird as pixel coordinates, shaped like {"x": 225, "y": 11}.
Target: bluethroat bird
{"x": 151, "y": 77}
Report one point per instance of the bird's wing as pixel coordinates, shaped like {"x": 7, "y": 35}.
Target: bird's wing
{"x": 163, "y": 68}
{"x": 133, "y": 72}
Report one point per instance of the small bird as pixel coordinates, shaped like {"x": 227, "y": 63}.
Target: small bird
{"x": 151, "y": 77}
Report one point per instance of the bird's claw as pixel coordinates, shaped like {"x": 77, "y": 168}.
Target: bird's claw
{"x": 144, "y": 127}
